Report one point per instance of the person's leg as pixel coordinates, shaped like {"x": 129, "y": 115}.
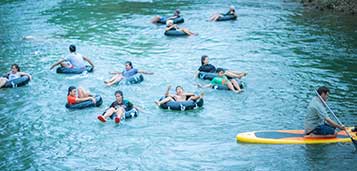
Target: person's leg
{"x": 324, "y": 131}
{"x": 109, "y": 112}
{"x": 116, "y": 79}
{"x": 231, "y": 87}
{"x": 120, "y": 113}
{"x": 82, "y": 93}
{"x": 156, "y": 19}
{"x": 187, "y": 31}
{"x": 2, "y": 81}
{"x": 165, "y": 100}
{"x": 235, "y": 84}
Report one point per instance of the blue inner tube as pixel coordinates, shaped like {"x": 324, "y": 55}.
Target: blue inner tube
{"x": 207, "y": 75}
{"x": 227, "y": 17}
{"x": 176, "y": 20}
{"x": 175, "y": 33}
{"x": 85, "y": 104}
{"x": 18, "y": 82}
{"x": 185, "y": 105}
{"x": 63, "y": 70}
{"x": 133, "y": 113}
{"x": 223, "y": 87}
{"x": 135, "y": 79}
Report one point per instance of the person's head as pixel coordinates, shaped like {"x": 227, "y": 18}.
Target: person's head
{"x": 72, "y": 48}
{"x": 71, "y": 91}
{"x": 177, "y": 12}
{"x": 323, "y": 92}
{"x": 220, "y": 71}
{"x": 119, "y": 96}
{"x": 128, "y": 65}
{"x": 169, "y": 22}
{"x": 15, "y": 68}
{"x": 179, "y": 90}
{"x": 231, "y": 8}
{"x": 204, "y": 60}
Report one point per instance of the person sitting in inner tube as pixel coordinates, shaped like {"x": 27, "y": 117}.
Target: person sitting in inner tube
{"x": 156, "y": 19}
{"x": 73, "y": 60}
{"x": 128, "y": 72}
{"x": 221, "y": 79}
{"x": 83, "y": 95}
{"x": 13, "y": 74}
{"x": 231, "y": 11}
{"x": 179, "y": 96}
{"x": 171, "y": 26}
{"x": 118, "y": 107}
{"x": 207, "y": 67}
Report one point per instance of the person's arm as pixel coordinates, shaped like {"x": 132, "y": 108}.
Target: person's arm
{"x": 57, "y": 63}
{"x": 167, "y": 93}
{"x": 25, "y": 74}
{"x": 334, "y": 124}
{"x": 170, "y": 27}
{"x": 204, "y": 86}
{"x": 89, "y": 61}
{"x": 145, "y": 72}
{"x": 196, "y": 74}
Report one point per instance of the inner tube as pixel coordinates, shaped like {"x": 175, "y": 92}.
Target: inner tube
{"x": 135, "y": 79}
{"x": 207, "y": 75}
{"x": 63, "y": 70}
{"x": 182, "y": 106}
{"x": 85, "y": 104}
{"x": 176, "y": 20}
{"x": 175, "y": 33}
{"x": 18, "y": 82}
{"x": 133, "y": 113}
{"x": 227, "y": 17}
{"x": 223, "y": 87}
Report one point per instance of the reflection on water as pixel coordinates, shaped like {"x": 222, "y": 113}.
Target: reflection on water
{"x": 287, "y": 51}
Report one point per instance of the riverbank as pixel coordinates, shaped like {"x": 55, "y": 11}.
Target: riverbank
{"x": 344, "y": 6}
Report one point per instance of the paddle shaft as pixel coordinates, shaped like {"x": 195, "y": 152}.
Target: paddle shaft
{"x": 339, "y": 122}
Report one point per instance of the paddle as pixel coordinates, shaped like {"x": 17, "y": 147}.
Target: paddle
{"x": 339, "y": 122}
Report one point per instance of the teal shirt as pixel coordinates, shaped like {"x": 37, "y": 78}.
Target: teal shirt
{"x": 219, "y": 80}
{"x": 316, "y": 114}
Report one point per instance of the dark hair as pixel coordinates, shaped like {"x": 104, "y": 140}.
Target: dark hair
{"x": 72, "y": 48}
{"x": 130, "y": 64}
{"x": 323, "y": 89}
{"x": 203, "y": 57}
{"x": 178, "y": 87}
{"x": 70, "y": 88}
{"x": 119, "y": 92}
{"x": 219, "y": 70}
{"x": 16, "y": 66}
{"x": 177, "y": 11}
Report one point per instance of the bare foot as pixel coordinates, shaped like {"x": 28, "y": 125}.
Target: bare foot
{"x": 202, "y": 94}
{"x": 157, "y": 103}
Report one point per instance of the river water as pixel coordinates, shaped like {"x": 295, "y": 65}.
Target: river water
{"x": 288, "y": 51}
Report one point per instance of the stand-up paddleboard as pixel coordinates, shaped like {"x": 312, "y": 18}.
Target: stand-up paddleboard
{"x": 290, "y": 137}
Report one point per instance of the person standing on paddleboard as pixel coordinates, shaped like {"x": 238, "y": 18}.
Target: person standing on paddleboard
{"x": 317, "y": 123}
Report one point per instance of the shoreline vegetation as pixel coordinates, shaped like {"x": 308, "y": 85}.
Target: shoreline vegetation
{"x": 344, "y": 6}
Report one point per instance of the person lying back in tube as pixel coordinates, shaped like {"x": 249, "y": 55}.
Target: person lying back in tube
{"x": 179, "y": 96}
{"x": 13, "y": 74}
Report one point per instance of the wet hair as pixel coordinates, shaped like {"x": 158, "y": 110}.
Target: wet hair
{"x": 203, "y": 57}
{"x": 218, "y": 70}
{"x": 177, "y": 11}
{"x": 323, "y": 89}
{"x": 178, "y": 87}
{"x": 129, "y": 63}
{"x": 119, "y": 92}
{"x": 72, "y": 48}
{"x": 70, "y": 88}
{"x": 16, "y": 66}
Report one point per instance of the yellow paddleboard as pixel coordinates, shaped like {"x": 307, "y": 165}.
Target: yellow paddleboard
{"x": 290, "y": 137}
